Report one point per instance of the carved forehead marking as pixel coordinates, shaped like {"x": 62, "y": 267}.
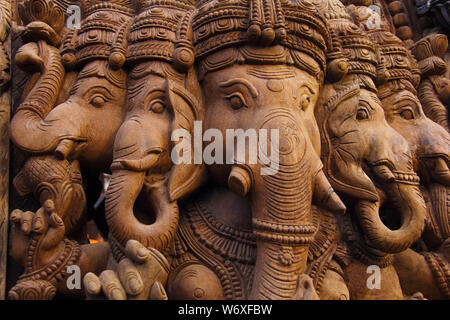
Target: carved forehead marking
{"x": 242, "y": 81}
{"x": 280, "y": 72}
{"x": 275, "y": 85}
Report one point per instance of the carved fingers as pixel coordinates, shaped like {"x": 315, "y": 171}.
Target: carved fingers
{"x": 136, "y": 251}
{"x": 44, "y": 225}
{"x": 130, "y": 277}
{"x": 140, "y": 276}
{"x": 107, "y": 285}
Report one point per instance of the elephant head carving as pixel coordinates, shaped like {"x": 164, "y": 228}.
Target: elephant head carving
{"x": 163, "y": 95}
{"x": 397, "y": 82}
{"x": 83, "y": 126}
{"x": 429, "y": 141}
{"x": 362, "y": 154}
{"x": 257, "y": 78}
{"x": 434, "y": 88}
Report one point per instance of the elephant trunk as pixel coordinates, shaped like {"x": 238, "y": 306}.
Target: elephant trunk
{"x": 124, "y": 188}
{"x": 29, "y": 118}
{"x": 282, "y": 225}
{"x": 407, "y": 200}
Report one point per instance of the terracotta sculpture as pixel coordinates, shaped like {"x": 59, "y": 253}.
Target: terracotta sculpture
{"x": 255, "y": 78}
{"x": 170, "y": 97}
{"x": 369, "y": 164}
{"x": 430, "y": 145}
{"x": 82, "y": 128}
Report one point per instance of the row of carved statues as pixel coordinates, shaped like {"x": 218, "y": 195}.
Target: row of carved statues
{"x": 361, "y": 182}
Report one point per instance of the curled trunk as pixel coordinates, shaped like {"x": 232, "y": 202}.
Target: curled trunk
{"x": 124, "y": 188}
{"x": 29, "y": 130}
{"x": 407, "y": 199}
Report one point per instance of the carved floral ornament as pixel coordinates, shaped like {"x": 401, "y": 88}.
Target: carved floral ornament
{"x": 357, "y": 119}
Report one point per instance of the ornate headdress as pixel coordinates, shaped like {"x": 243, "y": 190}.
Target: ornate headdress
{"x": 102, "y": 35}
{"x": 397, "y": 68}
{"x": 352, "y": 43}
{"x": 242, "y": 30}
{"x": 162, "y": 31}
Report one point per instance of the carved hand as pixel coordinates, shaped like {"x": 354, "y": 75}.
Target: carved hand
{"x": 140, "y": 276}
{"x": 39, "y": 245}
{"x": 37, "y": 237}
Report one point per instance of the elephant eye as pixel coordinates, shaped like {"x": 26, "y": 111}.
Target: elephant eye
{"x": 407, "y": 114}
{"x": 157, "y": 107}
{"x": 236, "y": 101}
{"x": 362, "y": 114}
{"x": 97, "y": 101}
{"x": 305, "y": 100}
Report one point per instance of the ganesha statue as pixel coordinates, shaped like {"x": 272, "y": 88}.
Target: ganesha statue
{"x": 242, "y": 149}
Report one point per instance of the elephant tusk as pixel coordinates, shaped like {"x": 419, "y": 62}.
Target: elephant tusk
{"x": 324, "y": 195}
{"x": 239, "y": 181}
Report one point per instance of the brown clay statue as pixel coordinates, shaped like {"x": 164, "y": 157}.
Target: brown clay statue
{"x": 236, "y": 97}
{"x": 227, "y": 127}
{"x": 83, "y": 127}
{"x": 162, "y": 99}
{"x": 5, "y": 107}
{"x": 429, "y": 143}
{"x": 369, "y": 164}
{"x": 259, "y": 71}
{"x": 164, "y": 96}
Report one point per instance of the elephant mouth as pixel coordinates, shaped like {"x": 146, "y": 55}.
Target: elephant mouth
{"x": 70, "y": 145}
{"x": 147, "y": 162}
{"x": 382, "y": 172}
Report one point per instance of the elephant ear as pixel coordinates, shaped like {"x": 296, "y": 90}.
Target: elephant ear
{"x": 342, "y": 168}
{"x": 184, "y": 178}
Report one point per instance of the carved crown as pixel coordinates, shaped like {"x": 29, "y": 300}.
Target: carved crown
{"x": 102, "y": 34}
{"x": 397, "y": 68}
{"x": 350, "y": 41}
{"x": 162, "y": 30}
{"x": 295, "y": 26}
